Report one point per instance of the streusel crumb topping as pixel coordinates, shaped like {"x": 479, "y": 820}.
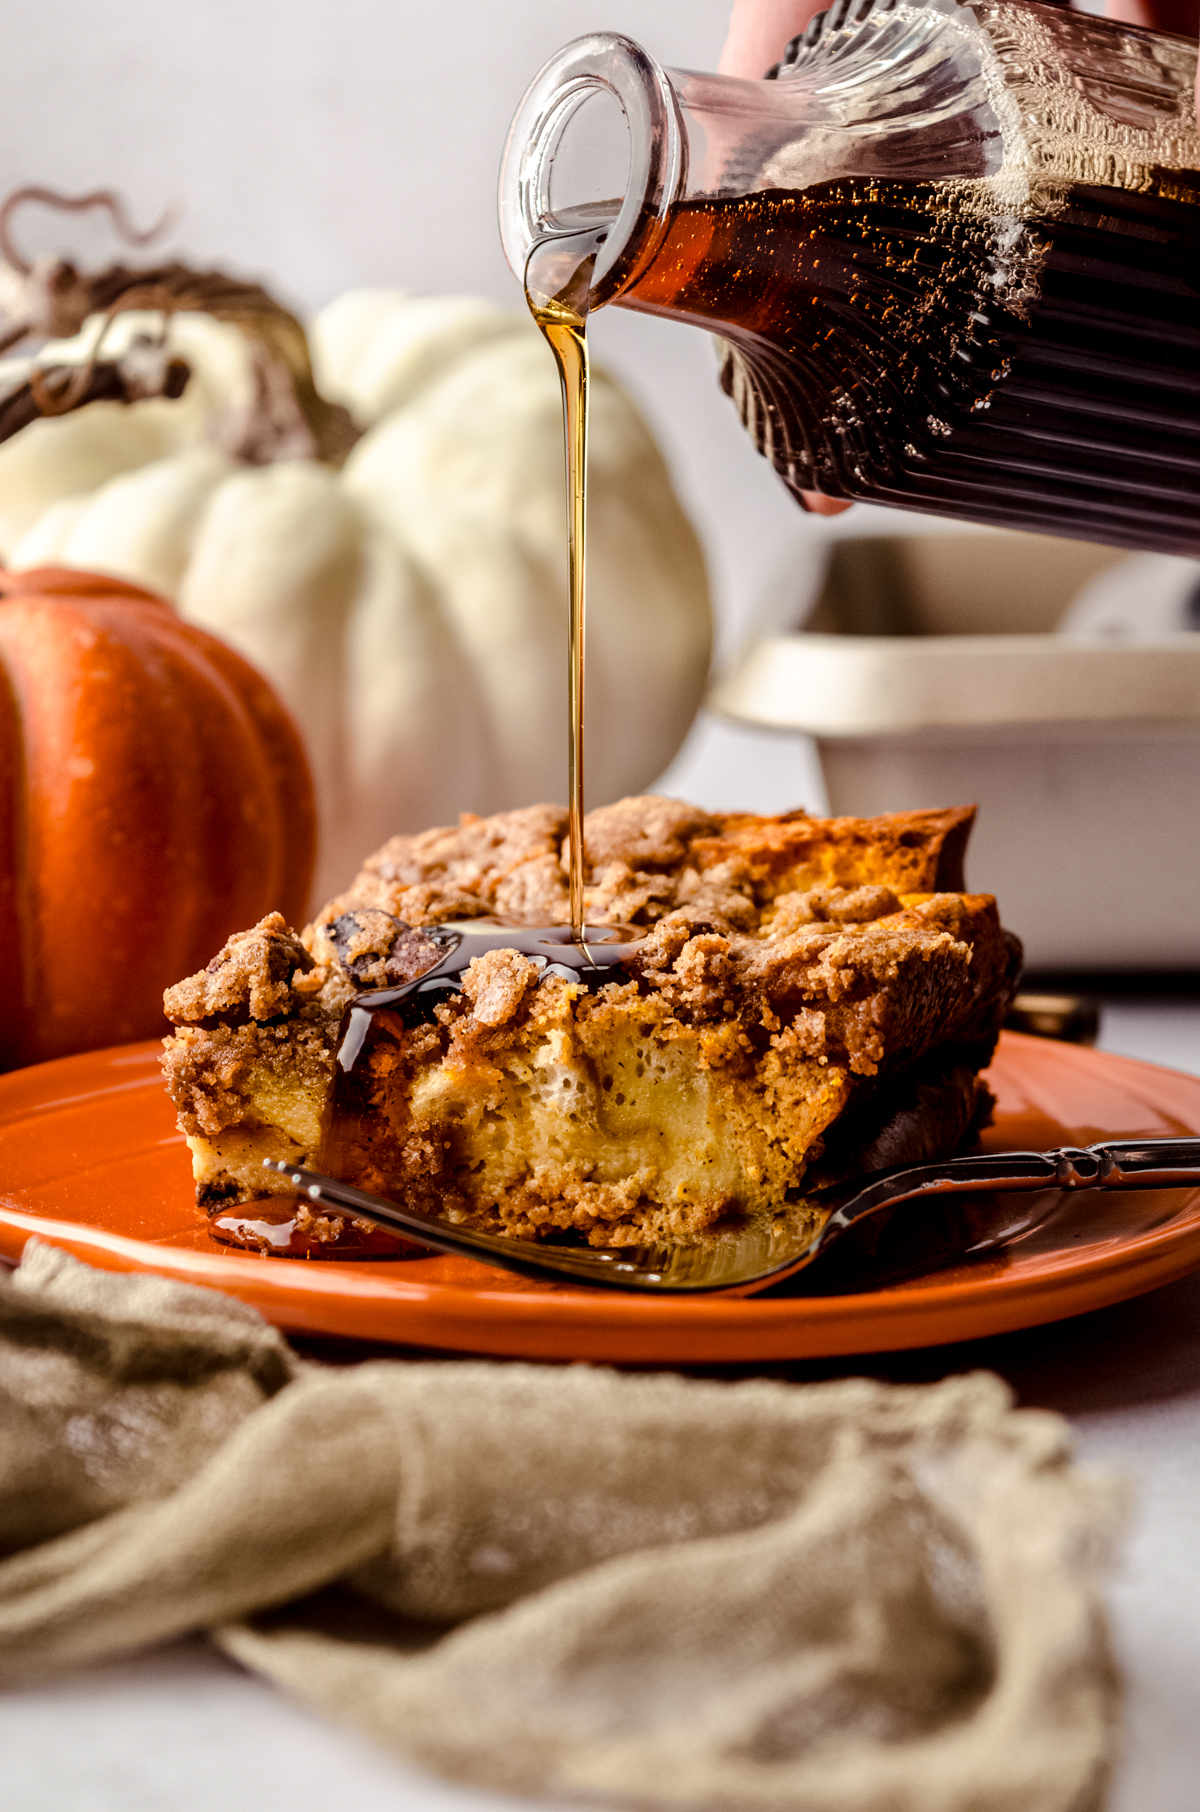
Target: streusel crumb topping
{"x": 770, "y": 941}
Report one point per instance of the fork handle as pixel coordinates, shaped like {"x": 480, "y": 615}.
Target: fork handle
{"x": 1131, "y": 1164}
{"x": 1116, "y": 1164}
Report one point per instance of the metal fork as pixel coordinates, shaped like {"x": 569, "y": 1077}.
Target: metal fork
{"x": 768, "y": 1249}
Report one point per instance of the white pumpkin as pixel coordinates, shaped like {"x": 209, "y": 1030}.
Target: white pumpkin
{"x": 411, "y": 608}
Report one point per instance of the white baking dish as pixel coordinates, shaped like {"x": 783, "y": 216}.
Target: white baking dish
{"x": 1083, "y": 757}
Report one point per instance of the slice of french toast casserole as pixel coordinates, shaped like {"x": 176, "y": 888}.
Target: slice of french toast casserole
{"x": 809, "y": 998}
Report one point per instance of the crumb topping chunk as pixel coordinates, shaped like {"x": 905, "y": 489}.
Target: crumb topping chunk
{"x": 255, "y": 973}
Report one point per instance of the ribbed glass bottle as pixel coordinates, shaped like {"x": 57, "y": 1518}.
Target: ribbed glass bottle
{"x": 952, "y": 252}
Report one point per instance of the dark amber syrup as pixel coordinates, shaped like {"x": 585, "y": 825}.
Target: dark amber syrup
{"x": 272, "y": 1228}
{"x": 592, "y": 958}
{"x": 904, "y": 348}
{"x": 558, "y": 274}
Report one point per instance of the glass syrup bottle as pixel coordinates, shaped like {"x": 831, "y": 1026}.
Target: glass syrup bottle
{"x": 951, "y": 251}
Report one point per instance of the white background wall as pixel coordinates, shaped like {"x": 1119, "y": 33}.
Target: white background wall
{"x": 319, "y": 146}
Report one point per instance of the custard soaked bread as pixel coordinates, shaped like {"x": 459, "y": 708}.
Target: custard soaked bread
{"x": 805, "y": 997}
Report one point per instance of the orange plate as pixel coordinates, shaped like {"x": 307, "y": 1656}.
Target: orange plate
{"x": 90, "y": 1160}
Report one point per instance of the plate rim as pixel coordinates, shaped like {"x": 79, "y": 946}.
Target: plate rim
{"x": 353, "y": 1300}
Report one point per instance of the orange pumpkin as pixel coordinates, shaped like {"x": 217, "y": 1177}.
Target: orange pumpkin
{"x": 154, "y": 798}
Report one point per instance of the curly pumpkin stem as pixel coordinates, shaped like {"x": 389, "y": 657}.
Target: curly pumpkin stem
{"x": 55, "y": 295}
{"x": 77, "y": 204}
{"x": 287, "y": 416}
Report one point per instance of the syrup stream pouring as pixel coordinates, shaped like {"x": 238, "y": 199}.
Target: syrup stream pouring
{"x": 768, "y": 1251}
{"x": 557, "y": 275}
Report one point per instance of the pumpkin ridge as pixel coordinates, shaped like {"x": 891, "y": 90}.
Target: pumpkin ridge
{"x": 145, "y": 775}
{"x": 69, "y": 581}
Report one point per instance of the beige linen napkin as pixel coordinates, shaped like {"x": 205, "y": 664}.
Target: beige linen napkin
{"x": 846, "y": 1597}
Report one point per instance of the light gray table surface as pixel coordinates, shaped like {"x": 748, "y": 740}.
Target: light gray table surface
{"x": 184, "y": 1730}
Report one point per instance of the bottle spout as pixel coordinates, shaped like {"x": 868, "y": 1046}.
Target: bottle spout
{"x": 607, "y": 142}
{"x": 597, "y": 147}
